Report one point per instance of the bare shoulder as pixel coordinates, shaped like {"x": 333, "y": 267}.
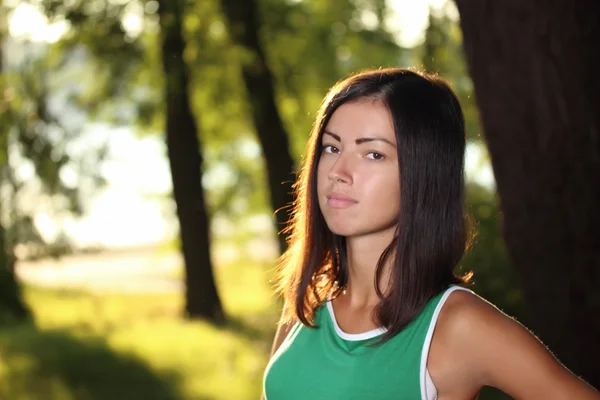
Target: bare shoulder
{"x": 476, "y": 345}
{"x": 466, "y": 317}
{"x": 452, "y": 372}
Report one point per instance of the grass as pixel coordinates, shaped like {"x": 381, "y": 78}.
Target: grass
{"x": 87, "y": 346}
{"x": 90, "y": 346}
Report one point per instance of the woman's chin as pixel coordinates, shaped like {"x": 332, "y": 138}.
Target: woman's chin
{"x": 349, "y": 230}
{"x": 342, "y": 230}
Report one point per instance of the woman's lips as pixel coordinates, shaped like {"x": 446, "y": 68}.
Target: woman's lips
{"x": 339, "y": 200}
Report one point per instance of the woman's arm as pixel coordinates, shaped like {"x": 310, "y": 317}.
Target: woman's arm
{"x": 283, "y": 329}
{"x": 500, "y": 352}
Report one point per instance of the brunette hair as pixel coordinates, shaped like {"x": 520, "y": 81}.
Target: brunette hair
{"x": 431, "y": 237}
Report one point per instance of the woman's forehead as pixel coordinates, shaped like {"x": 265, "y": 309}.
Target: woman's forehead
{"x": 362, "y": 118}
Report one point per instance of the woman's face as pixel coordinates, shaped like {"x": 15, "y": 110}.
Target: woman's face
{"x": 358, "y": 182}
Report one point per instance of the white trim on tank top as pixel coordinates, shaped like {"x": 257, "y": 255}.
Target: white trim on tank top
{"x": 428, "y": 389}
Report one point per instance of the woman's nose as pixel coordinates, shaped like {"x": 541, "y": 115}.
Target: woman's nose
{"x": 340, "y": 172}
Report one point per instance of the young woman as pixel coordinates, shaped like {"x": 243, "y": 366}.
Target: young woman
{"x": 373, "y": 308}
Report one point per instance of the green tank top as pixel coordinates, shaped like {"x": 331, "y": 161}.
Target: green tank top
{"x": 326, "y": 363}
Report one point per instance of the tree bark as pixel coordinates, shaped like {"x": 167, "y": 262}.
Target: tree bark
{"x": 185, "y": 159}
{"x": 243, "y": 25}
{"x": 535, "y": 69}
{"x": 12, "y": 306}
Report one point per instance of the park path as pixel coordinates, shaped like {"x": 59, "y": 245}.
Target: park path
{"x": 142, "y": 269}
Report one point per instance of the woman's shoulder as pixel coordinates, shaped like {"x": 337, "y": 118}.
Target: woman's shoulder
{"x": 462, "y": 305}
{"x": 460, "y": 332}
{"x": 465, "y": 322}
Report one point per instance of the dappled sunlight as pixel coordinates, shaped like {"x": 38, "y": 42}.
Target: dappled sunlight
{"x": 56, "y": 364}
{"x": 194, "y": 358}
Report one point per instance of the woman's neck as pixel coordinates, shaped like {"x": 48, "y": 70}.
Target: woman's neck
{"x": 363, "y": 256}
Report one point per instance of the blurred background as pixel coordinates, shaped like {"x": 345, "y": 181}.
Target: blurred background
{"x": 143, "y": 146}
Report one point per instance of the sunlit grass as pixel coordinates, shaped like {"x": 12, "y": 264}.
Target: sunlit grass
{"x": 118, "y": 346}
{"x": 87, "y": 346}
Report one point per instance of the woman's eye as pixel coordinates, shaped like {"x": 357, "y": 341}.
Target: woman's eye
{"x": 328, "y": 148}
{"x": 375, "y": 156}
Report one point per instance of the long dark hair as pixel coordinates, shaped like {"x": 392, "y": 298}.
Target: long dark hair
{"x": 431, "y": 237}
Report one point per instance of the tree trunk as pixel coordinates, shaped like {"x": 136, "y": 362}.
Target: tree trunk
{"x": 535, "y": 70}
{"x": 12, "y": 306}
{"x": 243, "y": 24}
{"x": 185, "y": 159}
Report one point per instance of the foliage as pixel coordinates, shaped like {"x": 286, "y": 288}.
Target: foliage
{"x": 310, "y": 45}
{"x": 40, "y": 129}
{"x": 441, "y": 52}
{"x": 495, "y": 278}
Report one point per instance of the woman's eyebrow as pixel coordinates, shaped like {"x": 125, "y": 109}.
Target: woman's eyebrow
{"x": 361, "y": 140}
{"x": 336, "y": 137}
{"x": 373, "y": 139}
